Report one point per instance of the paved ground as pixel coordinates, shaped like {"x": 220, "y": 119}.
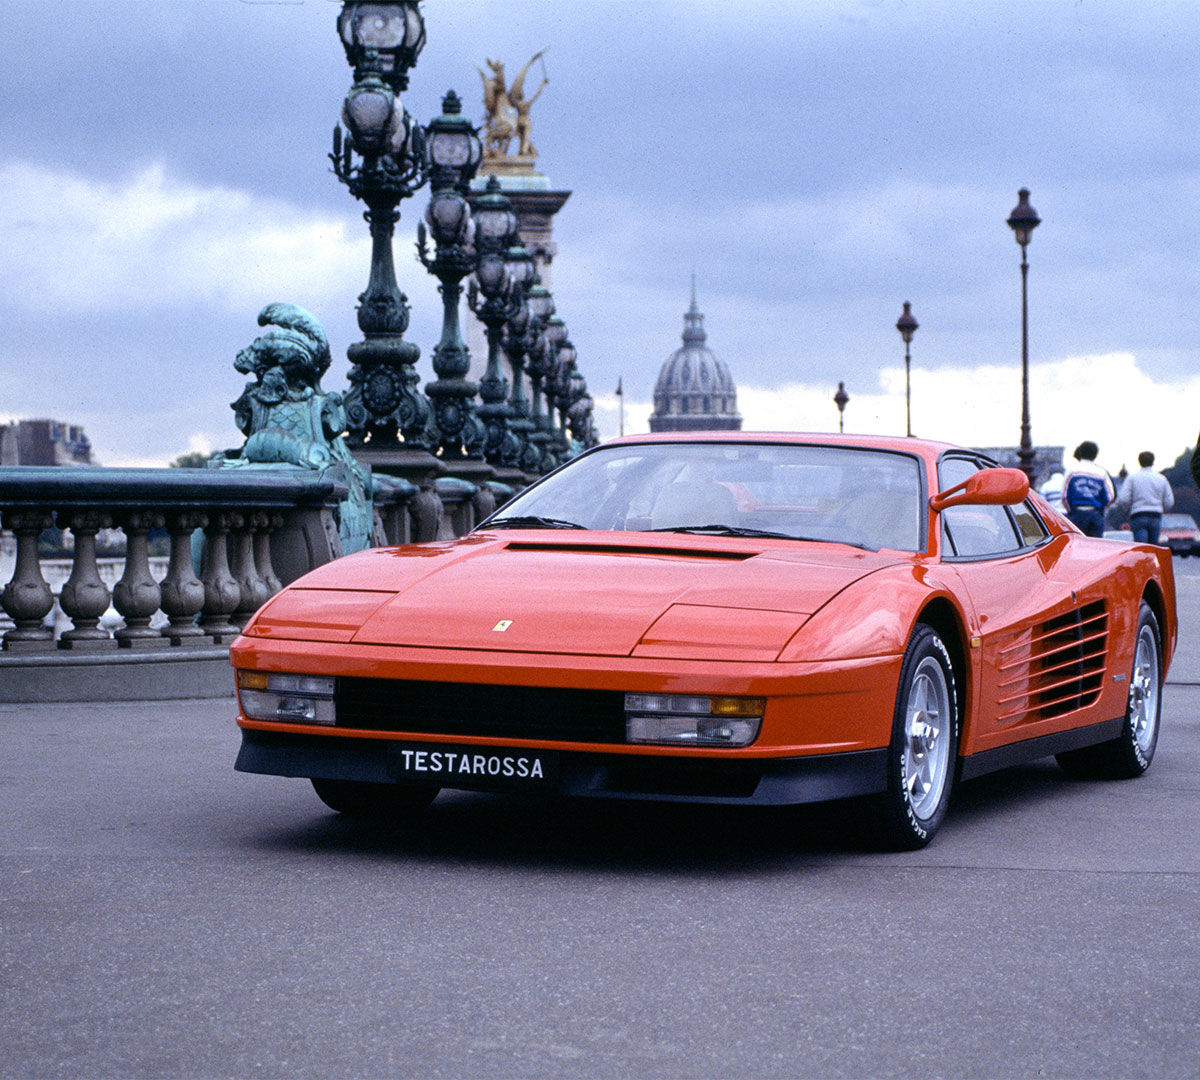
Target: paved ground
{"x": 161, "y": 915}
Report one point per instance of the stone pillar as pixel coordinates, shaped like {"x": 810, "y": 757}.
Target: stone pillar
{"x": 182, "y": 591}
{"x": 137, "y": 596}
{"x": 84, "y": 597}
{"x": 27, "y": 597}
{"x": 221, "y": 592}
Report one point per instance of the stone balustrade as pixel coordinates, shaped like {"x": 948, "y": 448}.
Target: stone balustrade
{"x": 234, "y": 536}
{"x": 238, "y": 520}
{"x": 246, "y": 530}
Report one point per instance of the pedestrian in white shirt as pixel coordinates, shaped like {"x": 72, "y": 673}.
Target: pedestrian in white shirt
{"x": 1145, "y": 496}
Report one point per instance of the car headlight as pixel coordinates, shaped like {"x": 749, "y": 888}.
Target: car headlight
{"x": 693, "y": 720}
{"x": 286, "y": 698}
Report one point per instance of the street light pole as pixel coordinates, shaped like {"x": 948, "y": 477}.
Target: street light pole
{"x": 455, "y": 150}
{"x": 840, "y": 399}
{"x": 496, "y": 292}
{"x": 1023, "y": 220}
{"x": 382, "y": 160}
{"x": 907, "y": 326}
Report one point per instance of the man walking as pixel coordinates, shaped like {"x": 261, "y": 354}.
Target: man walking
{"x": 1145, "y": 495}
{"x": 1087, "y": 490}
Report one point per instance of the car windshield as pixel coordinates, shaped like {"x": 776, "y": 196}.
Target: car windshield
{"x": 867, "y": 498}
{"x": 1178, "y": 521}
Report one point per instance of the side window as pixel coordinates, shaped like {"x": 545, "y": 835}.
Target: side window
{"x": 974, "y": 531}
{"x": 1029, "y": 525}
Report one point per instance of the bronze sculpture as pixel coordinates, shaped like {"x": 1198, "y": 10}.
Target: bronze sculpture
{"x": 508, "y": 111}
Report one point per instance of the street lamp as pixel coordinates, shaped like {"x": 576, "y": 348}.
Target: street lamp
{"x": 840, "y": 399}
{"x": 544, "y": 367}
{"x": 538, "y": 363}
{"x": 518, "y": 334}
{"x": 907, "y": 326}
{"x": 393, "y": 29}
{"x": 381, "y": 160}
{"x": 562, "y": 389}
{"x": 455, "y": 150}
{"x": 1023, "y": 220}
{"x": 496, "y": 232}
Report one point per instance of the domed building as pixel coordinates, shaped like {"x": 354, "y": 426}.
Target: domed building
{"x": 694, "y": 391}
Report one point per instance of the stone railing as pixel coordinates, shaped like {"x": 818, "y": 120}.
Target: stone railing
{"x": 90, "y": 627}
{"x": 242, "y": 522}
{"x": 234, "y": 536}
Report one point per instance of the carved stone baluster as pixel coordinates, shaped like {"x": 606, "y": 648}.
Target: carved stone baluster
{"x": 182, "y": 591}
{"x": 137, "y": 595}
{"x": 484, "y": 503}
{"x": 27, "y": 597}
{"x": 251, "y": 586}
{"x": 425, "y": 514}
{"x": 84, "y": 597}
{"x": 264, "y": 525}
{"x": 222, "y": 594}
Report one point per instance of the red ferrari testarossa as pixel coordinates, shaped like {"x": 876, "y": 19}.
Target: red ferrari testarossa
{"x": 724, "y": 618}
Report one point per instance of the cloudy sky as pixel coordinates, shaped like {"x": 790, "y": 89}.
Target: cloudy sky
{"x": 815, "y": 162}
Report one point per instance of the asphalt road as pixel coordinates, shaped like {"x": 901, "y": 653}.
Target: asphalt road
{"x": 162, "y": 915}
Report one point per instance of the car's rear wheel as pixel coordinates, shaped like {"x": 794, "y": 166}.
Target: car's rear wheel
{"x": 924, "y": 747}
{"x": 358, "y": 799}
{"x": 1131, "y": 752}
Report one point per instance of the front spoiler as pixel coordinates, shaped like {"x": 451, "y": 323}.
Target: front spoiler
{"x": 661, "y": 778}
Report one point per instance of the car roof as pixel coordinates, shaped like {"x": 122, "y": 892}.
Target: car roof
{"x": 893, "y": 443}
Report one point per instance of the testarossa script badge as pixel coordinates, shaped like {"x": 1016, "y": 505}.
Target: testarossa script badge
{"x": 472, "y": 766}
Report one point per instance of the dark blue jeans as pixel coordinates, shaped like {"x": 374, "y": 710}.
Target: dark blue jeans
{"x": 1145, "y": 527}
{"x": 1089, "y": 521}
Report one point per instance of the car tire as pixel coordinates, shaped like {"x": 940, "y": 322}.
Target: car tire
{"x": 1130, "y": 753}
{"x": 923, "y": 754}
{"x": 358, "y": 799}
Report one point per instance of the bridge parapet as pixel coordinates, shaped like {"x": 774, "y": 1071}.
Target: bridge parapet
{"x": 235, "y": 537}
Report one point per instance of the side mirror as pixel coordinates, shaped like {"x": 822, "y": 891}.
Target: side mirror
{"x": 988, "y": 487}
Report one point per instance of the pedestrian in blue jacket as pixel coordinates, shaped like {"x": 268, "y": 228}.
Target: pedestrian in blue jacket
{"x": 1087, "y": 490}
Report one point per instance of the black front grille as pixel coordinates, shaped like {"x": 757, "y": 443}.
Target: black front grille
{"x": 504, "y": 712}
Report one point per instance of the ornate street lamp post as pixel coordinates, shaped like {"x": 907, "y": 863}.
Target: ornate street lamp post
{"x": 1023, "y": 220}
{"x": 549, "y": 364}
{"x": 382, "y": 161}
{"x": 520, "y": 330}
{"x": 579, "y": 416}
{"x": 563, "y": 387}
{"x": 907, "y": 326}
{"x": 393, "y": 29}
{"x": 539, "y": 354}
{"x": 454, "y": 154}
{"x": 840, "y": 399}
{"x": 495, "y": 281}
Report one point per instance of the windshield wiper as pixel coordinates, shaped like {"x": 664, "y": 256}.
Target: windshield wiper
{"x": 724, "y": 530}
{"x": 737, "y": 530}
{"x": 531, "y": 521}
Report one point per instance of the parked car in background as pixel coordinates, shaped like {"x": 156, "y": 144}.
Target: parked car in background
{"x": 720, "y": 617}
{"x": 1181, "y": 534}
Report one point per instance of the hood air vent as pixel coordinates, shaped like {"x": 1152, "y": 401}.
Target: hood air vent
{"x": 635, "y": 549}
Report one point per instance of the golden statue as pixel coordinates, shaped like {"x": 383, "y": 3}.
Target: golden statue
{"x": 508, "y": 112}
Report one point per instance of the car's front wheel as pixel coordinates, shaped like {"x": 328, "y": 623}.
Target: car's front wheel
{"x": 924, "y": 747}
{"x": 1130, "y": 753}
{"x": 359, "y": 799}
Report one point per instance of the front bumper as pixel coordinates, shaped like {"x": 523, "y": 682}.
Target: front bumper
{"x": 662, "y": 778}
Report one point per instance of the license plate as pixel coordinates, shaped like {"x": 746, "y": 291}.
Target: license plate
{"x": 486, "y": 767}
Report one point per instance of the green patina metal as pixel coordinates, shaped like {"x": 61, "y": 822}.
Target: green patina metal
{"x": 289, "y": 421}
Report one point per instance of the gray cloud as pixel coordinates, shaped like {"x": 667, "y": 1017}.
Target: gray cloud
{"x": 816, "y": 164}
